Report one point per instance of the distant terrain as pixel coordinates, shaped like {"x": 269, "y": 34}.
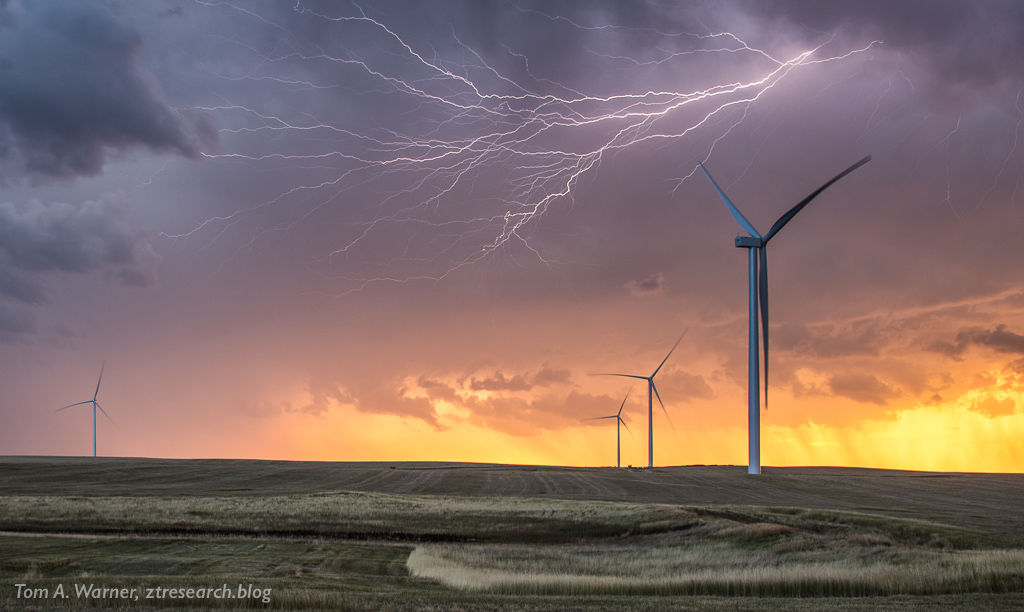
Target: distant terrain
{"x": 490, "y": 536}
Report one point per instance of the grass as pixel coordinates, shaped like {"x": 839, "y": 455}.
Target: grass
{"x": 983, "y": 502}
{"x": 294, "y": 572}
{"x": 338, "y": 515}
{"x": 456, "y": 549}
{"x": 721, "y": 557}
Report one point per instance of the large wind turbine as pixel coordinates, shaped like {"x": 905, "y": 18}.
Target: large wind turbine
{"x": 618, "y": 430}
{"x": 95, "y": 405}
{"x": 759, "y": 296}
{"x": 652, "y": 392}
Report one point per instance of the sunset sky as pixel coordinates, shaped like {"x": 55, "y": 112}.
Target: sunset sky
{"x": 388, "y": 230}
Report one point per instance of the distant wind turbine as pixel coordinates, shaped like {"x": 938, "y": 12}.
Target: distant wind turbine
{"x": 618, "y": 431}
{"x": 759, "y": 294}
{"x": 652, "y": 392}
{"x": 95, "y": 405}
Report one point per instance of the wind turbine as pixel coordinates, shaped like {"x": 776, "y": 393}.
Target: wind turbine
{"x": 652, "y": 392}
{"x": 95, "y": 405}
{"x": 618, "y": 431}
{"x": 759, "y": 301}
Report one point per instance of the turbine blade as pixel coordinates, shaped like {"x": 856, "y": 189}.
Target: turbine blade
{"x": 627, "y": 429}
{"x": 763, "y": 299}
{"x": 625, "y": 375}
{"x": 613, "y": 416}
{"x": 105, "y": 413}
{"x": 658, "y": 395}
{"x": 618, "y": 414}
{"x": 784, "y": 219}
{"x": 736, "y": 214}
{"x": 97, "y": 392}
{"x": 75, "y": 404}
{"x": 670, "y": 351}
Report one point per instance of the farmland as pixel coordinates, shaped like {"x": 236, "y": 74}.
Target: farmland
{"x": 399, "y": 536}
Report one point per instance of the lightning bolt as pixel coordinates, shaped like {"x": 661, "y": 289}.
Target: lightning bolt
{"x": 475, "y": 157}
{"x": 949, "y": 185}
{"x": 1013, "y": 151}
{"x": 1006, "y": 162}
{"x": 1003, "y": 168}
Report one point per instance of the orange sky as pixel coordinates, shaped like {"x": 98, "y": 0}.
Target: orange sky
{"x": 973, "y": 428}
{"x": 902, "y": 404}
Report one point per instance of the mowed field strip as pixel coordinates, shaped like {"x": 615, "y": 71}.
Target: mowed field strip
{"x": 397, "y": 536}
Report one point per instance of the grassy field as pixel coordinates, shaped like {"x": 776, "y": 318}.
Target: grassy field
{"x": 362, "y": 536}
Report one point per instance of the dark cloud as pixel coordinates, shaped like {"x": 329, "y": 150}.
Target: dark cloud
{"x": 550, "y": 376}
{"x": 680, "y": 385}
{"x": 520, "y": 382}
{"x": 175, "y": 11}
{"x": 1000, "y": 339}
{"x": 39, "y": 240}
{"x": 378, "y": 398}
{"x": 370, "y": 395}
{"x": 71, "y": 93}
{"x": 949, "y": 349}
{"x": 324, "y": 390}
{"x": 650, "y": 286}
{"x": 524, "y": 417}
{"x": 514, "y": 414}
{"x": 864, "y": 388}
{"x": 498, "y": 382}
{"x": 857, "y": 338}
{"x": 15, "y": 321}
{"x": 438, "y": 390}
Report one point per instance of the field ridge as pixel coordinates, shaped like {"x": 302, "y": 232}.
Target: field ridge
{"x": 991, "y": 503}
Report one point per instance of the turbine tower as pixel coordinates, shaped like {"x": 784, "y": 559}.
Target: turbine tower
{"x": 756, "y": 246}
{"x": 618, "y": 430}
{"x": 652, "y": 392}
{"x": 95, "y": 405}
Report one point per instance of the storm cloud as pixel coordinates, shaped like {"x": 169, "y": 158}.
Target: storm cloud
{"x": 40, "y": 240}
{"x": 999, "y": 339}
{"x": 865, "y": 388}
{"x": 71, "y": 93}
{"x": 426, "y": 223}
{"x": 965, "y": 46}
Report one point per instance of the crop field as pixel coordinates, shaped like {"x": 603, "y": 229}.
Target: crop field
{"x": 124, "y": 534}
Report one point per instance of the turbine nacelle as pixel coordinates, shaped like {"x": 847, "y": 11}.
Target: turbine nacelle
{"x": 749, "y": 242}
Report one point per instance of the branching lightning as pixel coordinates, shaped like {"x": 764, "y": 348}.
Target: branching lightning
{"x": 475, "y": 154}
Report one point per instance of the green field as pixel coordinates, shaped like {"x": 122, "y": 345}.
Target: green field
{"x": 434, "y": 536}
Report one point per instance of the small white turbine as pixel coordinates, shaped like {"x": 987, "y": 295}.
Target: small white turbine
{"x": 95, "y": 405}
{"x": 652, "y": 392}
{"x": 618, "y": 431}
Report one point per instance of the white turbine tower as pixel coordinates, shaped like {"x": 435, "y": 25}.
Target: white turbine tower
{"x": 759, "y": 301}
{"x": 618, "y": 430}
{"x": 652, "y": 392}
{"x": 95, "y": 405}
